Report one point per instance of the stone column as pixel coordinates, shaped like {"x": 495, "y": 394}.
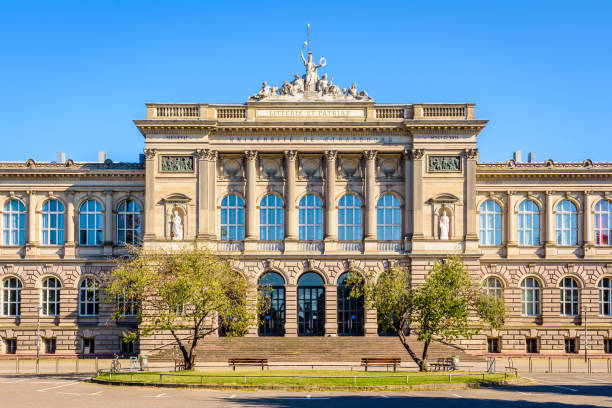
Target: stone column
{"x": 471, "y": 226}
{"x": 588, "y": 238}
{"x": 549, "y": 223}
{"x": 370, "y": 322}
{"x": 291, "y": 311}
{"x": 370, "y": 187}
{"x": 212, "y": 188}
{"x": 31, "y": 241}
{"x": 291, "y": 233}
{"x": 251, "y": 204}
{"x": 203, "y": 193}
{"x": 149, "y": 214}
{"x": 511, "y": 222}
{"x": 331, "y": 219}
{"x": 108, "y": 222}
{"x": 408, "y": 221}
{"x": 331, "y": 310}
{"x": 69, "y": 245}
{"x": 417, "y": 195}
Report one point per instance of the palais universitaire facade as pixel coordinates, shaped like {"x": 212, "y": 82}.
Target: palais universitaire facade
{"x": 300, "y": 185}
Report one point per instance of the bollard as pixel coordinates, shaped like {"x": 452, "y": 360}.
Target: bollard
{"x": 550, "y": 364}
{"x": 57, "y": 366}
{"x": 96, "y": 364}
{"x": 569, "y": 364}
{"x": 160, "y": 378}
{"x": 450, "y": 377}
{"x": 77, "y": 365}
{"x": 483, "y": 377}
{"x": 17, "y": 365}
{"x": 505, "y": 376}
{"x": 589, "y": 365}
{"x": 609, "y": 366}
{"x": 530, "y": 365}
{"x": 406, "y": 379}
{"x": 37, "y": 366}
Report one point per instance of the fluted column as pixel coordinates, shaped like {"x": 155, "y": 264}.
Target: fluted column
{"x": 69, "y": 241}
{"x": 511, "y": 222}
{"x": 370, "y": 210}
{"x": 549, "y": 240}
{"x": 203, "y": 193}
{"x": 408, "y": 226}
{"x": 331, "y": 219}
{"x": 31, "y": 216}
{"x": 212, "y": 156}
{"x": 291, "y": 218}
{"x": 470, "y": 198}
{"x": 588, "y": 235}
{"x": 149, "y": 194}
{"x": 417, "y": 194}
{"x": 251, "y": 205}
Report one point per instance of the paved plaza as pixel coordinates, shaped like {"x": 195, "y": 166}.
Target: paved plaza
{"x": 558, "y": 390}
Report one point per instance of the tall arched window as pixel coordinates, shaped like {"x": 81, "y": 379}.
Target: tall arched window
{"x": 567, "y": 223}
{"x": 90, "y": 223}
{"x": 14, "y": 219}
{"x": 349, "y": 218}
{"x": 232, "y": 218}
{"x": 528, "y": 223}
{"x": 53, "y": 223}
{"x": 50, "y": 297}
{"x": 350, "y": 310}
{"x": 569, "y": 297}
{"x": 388, "y": 218}
{"x": 128, "y": 223}
{"x": 310, "y": 218}
{"x": 88, "y": 297}
{"x": 492, "y": 287}
{"x": 605, "y": 296}
{"x": 530, "y": 297}
{"x": 603, "y": 222}
{"x": 272, "y": 322}
{"x": 271, "y": 218}
{"x": 11, "y": 297}
{"x": 311, "y": 305}
{"x": 490, "y": 223}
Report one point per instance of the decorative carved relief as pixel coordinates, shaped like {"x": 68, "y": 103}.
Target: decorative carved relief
{"x": 270, "y": 167}
{"x": 417, "y": 154}
{"x": 349, "y": 167}
{"x": 471, "y": 154}
{"x": 370, "y": 154}
{"x": 310, "y": 167}
{"x": 331, "y": 155}
{"x": 389, "y": 167}
{"x": 291, "y": 155}
{"x": 444, "y": 163}
{"x": 149, "y": 153}
{"x": 231, "y": 168}
{"x": 250, "y": 154}
{"x": 177, "y": 163}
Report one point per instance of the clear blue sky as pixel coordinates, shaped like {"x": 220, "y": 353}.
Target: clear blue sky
{"x": 73, "y": 75}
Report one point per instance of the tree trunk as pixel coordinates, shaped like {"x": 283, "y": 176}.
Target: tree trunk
{"x": 417, "y": 360}
{"x": 424, "y": 356}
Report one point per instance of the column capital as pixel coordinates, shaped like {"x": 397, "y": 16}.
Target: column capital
{"x": 291, "y": 155}
{"x": 417, "y": 154}
{"x": 150, "y": 153}
{"x": 471, "y": 154}
{"x": 370, "y": 154}
{"x": 331, "y": 155}
{"x": 250, "y": 155}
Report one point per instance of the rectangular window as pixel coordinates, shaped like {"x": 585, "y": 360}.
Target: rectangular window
{"x": 608, "y": 346}
{"x": 493, "y": 345}
{"x": 532, "y": 345}
{"x": 126, "y": 347}
{"x": 50, "y": 346}
{"x": 10, "y": 346}
{"x": 89, "y": 345}
{"x": 571, "y": 345}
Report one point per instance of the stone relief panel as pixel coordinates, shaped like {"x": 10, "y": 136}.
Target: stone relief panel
{"x": 389, "y": 167}
{"x": 310, "y": 167}
{"x": 177, "y": 163}
{"x": 443, "y": 163}
{"x": 231, "y": 168}
{"x": 349, "y": 168}
{"x": 271, "y": 167}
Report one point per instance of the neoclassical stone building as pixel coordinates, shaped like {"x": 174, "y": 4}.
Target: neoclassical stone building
{"x": 300, "y": 185}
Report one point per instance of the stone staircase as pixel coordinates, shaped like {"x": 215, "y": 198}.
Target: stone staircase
{"x": 312, "y": 349}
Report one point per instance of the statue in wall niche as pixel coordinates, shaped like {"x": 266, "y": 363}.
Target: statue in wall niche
{"x": 177, "y": 226}
{"x": 444, "y": 225}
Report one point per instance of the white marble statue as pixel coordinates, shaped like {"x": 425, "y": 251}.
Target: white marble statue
{"x": 322, "y": 85}
{"x": 444, "y": 226}
{"x": 177, "y": 226}
{"x": 311, "y": 78}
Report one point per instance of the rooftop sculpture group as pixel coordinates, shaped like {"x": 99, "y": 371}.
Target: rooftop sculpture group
{"x": 309, "y": 86}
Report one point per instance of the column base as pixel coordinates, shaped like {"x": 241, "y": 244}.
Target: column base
{"x": 250, "y": 245}
{"x": 69, "y": 250}
{"x": 30, "y": 249}
{"x": 108, "y": 249}
{"x": 369, "y": 245}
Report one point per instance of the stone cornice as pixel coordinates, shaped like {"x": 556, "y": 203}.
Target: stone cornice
{"x": 511, "y": 170}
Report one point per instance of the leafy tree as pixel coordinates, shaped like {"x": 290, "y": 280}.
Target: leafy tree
{"x": 442, "y": 309}
{"x": 187, "y": 290}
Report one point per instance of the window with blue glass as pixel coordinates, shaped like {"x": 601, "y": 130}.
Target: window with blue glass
{"x": 90, "y": 223}
{"x": 310, "y": 218}
{"x": 14, "y": 219}
{"x": 271, "y": 218}
{"x": 349, "y": 218}
{"x": 528, "y": 223}
{"x": 128, "y": 223}
{"x": 603, "y": 222}
{"x": 567, "y": 223}
{"x": 232, "y": 218}
{"x": 490, "y": 223}
{"x": 388, "y": 218}
{"x": 53, "y": 223}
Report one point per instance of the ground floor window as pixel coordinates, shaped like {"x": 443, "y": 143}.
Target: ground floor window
{"x": 50, "y": 346}
{"x": 493, "y": 345}
{"x": 532, "y": 345}
{"x": 608, "y": 346}
{"x": 127, "y": 347}
{"x": 571, "y": 345}
{"x": 10, "y": 345}
{"x": 89, "y": 345}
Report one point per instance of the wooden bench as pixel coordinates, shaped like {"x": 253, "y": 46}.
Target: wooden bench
{"x": 387, "y": 362}
{"x": 179, "y": 364}
{"x": 443, "y": 364}
{"x": 263, "y": 362}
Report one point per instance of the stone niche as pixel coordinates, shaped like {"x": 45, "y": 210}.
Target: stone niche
{"x": 349, "y": 167}
{"x": 389, "y": 167}
{"x": 310, "y": 167}
{"x": 231, "y": 167}
{"x": 271, "y": 167}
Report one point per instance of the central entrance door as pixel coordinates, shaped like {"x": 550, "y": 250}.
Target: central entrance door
{"x": 311, "y": 305}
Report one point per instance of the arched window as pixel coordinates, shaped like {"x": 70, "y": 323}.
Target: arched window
{"x": 567, "y": 223}
{"x": 88, "y": 297}
{"x": 530, "y": 297}
{"x": 603, "y": 222}
{"x": 90, "y": 223}
{"x": 492, "y": 287}
{"x": 350, "y": 310}
{"x": 50, "y": 297}
{"x": 271, "y": 218}
{"x": 272, "y": 322}
{"x": 569, "y": 297}
{"x": 11, "y": 297}
{"x": 528, "y": 223}
{"x": 490, "y": 223}
{"x": 349, "y": 218}
{"x": 311, "y": 305}
{"x": 128, "y": 223}
{"x": 310, "y": 218}
{"x": 53, "y": 223}
{"x": 605, "y": 296}
{"x": 232, "y": 218}
{"x": 14, "y": 223}
{"x": 388, "y": 218}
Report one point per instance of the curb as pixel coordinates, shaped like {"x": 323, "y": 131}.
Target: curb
{"x": 416, "y": 387}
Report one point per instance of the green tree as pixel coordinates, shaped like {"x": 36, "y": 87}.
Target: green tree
{"x": 442, "y": 309}
{"x": 188, "y": 290}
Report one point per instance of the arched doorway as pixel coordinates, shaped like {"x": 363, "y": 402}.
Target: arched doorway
{"x": 350, "y": 310}
{"x": 272, "y": 322}
{"x": 311, "y": 305}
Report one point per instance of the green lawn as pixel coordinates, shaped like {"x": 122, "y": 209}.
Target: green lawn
{"x": 308, "y": 378}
